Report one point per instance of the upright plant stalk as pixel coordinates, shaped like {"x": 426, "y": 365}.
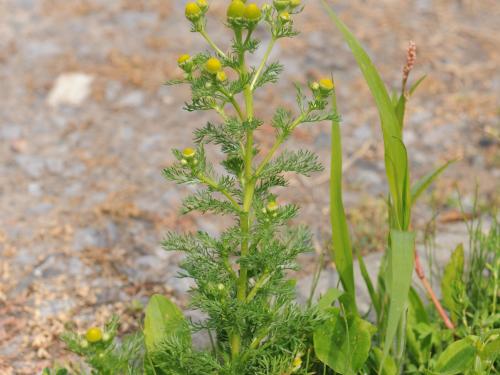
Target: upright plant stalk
{"x": 249, "y": 187}
{"x": 432, "y": 295}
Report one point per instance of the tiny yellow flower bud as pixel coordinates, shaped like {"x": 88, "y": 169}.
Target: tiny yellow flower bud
{"x": 236, "y": 9}
{"x": 192, "y": 11}
{"x": 314, "y": 86}
{"x": 272, "y": 206}
{"x": 106, "y": 336}
{"x": 326, "y": 85}
{"x": 295, "y": 3}
{"x": 252, "y": 12}
{"x": 281, "y": 4}
{"x": 266, "y": 8}
{"x": 203, "y": 4}
{"x": 221, "y": 76}
{"x": 285, "y": 16}
{"x": 297, "y": 363}
{"x": 94, "y": 334}
{"x": 220, "y": 286}
{"x": 183, "y": 59}
{"x": 188, "y": 152}
{"x": 84, "y": 344}
{"x": 213, "y": 65}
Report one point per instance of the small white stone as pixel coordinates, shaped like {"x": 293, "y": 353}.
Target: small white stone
{"x": 70, "y": 89}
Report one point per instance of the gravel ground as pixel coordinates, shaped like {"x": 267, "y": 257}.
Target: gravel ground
{"x": 86, "y": 127}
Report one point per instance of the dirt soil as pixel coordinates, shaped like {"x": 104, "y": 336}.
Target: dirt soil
{"x": 83, "y": 205}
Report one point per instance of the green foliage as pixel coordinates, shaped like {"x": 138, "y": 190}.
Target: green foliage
{"x": 163, "y": 320}
{"x": 456, "y": 359}
{"x": 452, "y": 282}
{"x": 343, "y": 342}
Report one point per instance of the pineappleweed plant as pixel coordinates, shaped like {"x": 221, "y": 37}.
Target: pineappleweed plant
{"x": 241, "y": 285}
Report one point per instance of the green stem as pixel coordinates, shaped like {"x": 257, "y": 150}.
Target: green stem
{"x": 217, "y": 187}
{"x": 211, "y": 43}
{"x": 248, "y": 192}
{"x": 279, "y": 142}
{"x": 258, "y": 284}
{"x": 263, "y": 63}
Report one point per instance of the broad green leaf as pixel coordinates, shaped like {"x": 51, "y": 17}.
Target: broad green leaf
{"x": 343, "y": 344}
{"x": 395, "y": 155}
{"x": 401, "y": 256}
{"x": 491, "y": 351}
{"x": 452, "y": 278}
{"x": 456, "y": 359}
{"x": 341, "y": 243}
{"x": 164, "y": 320}
{"x": 328, "y": 298}
{"x": 388, "y": 367}
{"x": 421, "y": 185}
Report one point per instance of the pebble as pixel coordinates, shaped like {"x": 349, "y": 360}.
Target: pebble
{"x": 70, "y": 89}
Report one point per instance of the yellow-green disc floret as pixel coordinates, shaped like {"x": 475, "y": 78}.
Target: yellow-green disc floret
{"x": 183, "y": 58}
{"x": 252, "y": 12}
{"x": 192, "y": 11}
{"x": 295, "y": 3}
{"x": 326, "y": 84}
{"x": 221, "y": 76}
{"x": 236, "y": 9}
{"x": 285, "y": 16}
{"x": 94, "y": 334}
{"x": 272, "y": 206}
{"x": 213, "y": 65}
{"x": 281, "y": 4}
{"x": 188, "y": 152}
{"x": 203, "y": 4}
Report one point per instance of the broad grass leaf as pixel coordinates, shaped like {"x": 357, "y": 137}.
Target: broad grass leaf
{"x": 163, "y": 320}
{"x": 452, "y": 278}
{"x": 456, "y": 359}
{"x": 343, "y": 344}
{"x": 395, "y": 155}
{"x": 421, "y": 185}
{"x": 342, "y": 250}
{"x": 401, "y": 270}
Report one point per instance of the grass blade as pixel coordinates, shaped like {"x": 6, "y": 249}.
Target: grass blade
{"x": 341, "y": 243}
{"x": 391, "y": 128}
{"x": 421, "y": 185}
